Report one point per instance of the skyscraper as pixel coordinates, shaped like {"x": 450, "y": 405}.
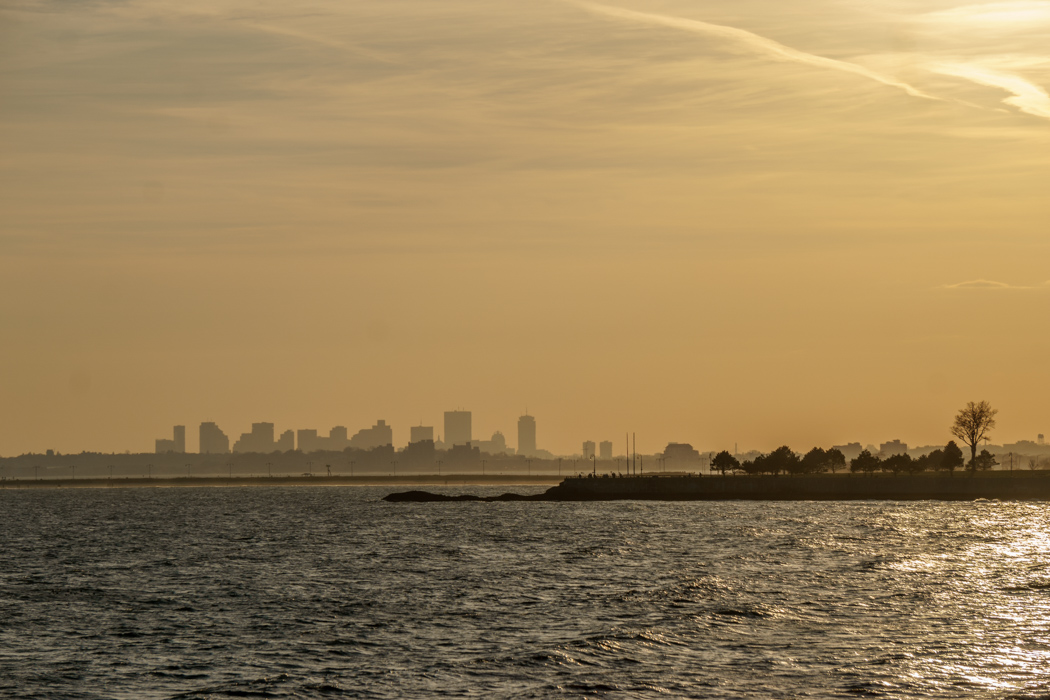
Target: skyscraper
{"x": 457, "y": 428}
{"x": 605, "y": 449}
{"x": 588, "y": 449}
{"x": 213, "y": 440}
{"x": 177, "y": 444}
{"x": 420, "y": 433}
{"x": 526, "y": 435}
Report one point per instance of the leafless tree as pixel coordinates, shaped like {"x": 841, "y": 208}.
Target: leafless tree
{"x": 973, "y": 423}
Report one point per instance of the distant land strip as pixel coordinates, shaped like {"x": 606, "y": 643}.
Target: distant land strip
{"x": 1012, "y": 486}
{"x": 223, "y": 481}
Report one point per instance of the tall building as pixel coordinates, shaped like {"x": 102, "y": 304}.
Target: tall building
{"x": 259, "y": 440}
{"x": 286, "y": 443}
{"x": 307, "y": 440}
{"x": 310, "y": 441}
{"x": 457, "y": 428}
{"x": 177, "y": 444}
{"x": 419, "y": 433}
{"x": 605, "y": 449}
{"x": 588, "y": 449}
{"x": 680, "y": 456}
{"x": 526, "y": 435}
{"x": 378, "y": 435}
{"x": 893, "y": 447}
{"x": 213, "y": 440}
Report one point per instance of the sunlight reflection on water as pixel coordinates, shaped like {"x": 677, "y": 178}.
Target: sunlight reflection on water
{"x": 300, "y": 592}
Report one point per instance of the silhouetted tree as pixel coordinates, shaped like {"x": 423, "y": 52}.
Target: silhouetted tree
{"x": 836, "y": 460}
{"x": 864, "y": 462}
{"x": 897, "y": 463}
{"x": 724, "y": 462}
{"x": 973, "y": 423}
{"x": 781, "y": 459}
{"x": 985, "y": 460}
{"x": 815, "y": 461}
{"x": 749, "y": 466}
{"x": 933, "y": 461}
{"x": 952, "y": 458}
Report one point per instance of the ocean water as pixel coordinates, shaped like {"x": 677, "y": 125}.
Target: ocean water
{"x": 330, "y": 592}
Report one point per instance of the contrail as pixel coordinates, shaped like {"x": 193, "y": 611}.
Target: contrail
{"x": 754, "y": 42}
{"x": 1027, "y": 97}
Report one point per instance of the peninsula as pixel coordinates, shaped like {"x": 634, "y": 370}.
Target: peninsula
{"x": 1015, "y": 486}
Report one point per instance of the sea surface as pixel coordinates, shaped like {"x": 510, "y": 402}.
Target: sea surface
{"x": 329, "y": 592}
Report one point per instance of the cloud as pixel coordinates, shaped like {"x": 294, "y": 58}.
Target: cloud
{"x": 1023, "y": 13}
{"x": 753, "y": 42}
{"x": 1027, "y": 97}
{"x": 991, "y": 284}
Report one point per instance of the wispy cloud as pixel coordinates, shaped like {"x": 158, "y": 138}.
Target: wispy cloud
{"x": 753, "y": 42}
{"x": 1025, "y": 12}
{"x": 991, "y": 284}
{"x": 1027, "y": 97}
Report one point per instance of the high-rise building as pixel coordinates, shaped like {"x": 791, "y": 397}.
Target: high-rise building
{"x": 177, "y": 444}
{"x": 457, "y": 428}
{"x": 213, "y": 440}
{"x": 893, "y": 447}
{"x": 259, "y": 440}
{"x": 419, "y": 433}
{"x": 588, "y": 449}
{"x": 286, "y": 443}
{"x": 310, "y": 441}
{"x": 526, "y": 435}
{"x": 378, "y": 435}
{"x": 605, "y": 449}
{"x": 307, "y": 440}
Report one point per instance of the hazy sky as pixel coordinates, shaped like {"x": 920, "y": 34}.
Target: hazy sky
{"x": 724, "y": 221}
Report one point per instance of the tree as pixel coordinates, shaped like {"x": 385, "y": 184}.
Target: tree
{"x": 898, "y": 463}
{"x": 953, "y": 457}
{"x": 815, "y": 461}
{"x": 984, "y": 461}
{"x": 782, "y": 459}
{"x": 724, "y": 462}
{"x": 973, "y": 424}
{"x": 835, "y": 459}
{"x": 933, "y": 461}
{"x": 864, "y": 462}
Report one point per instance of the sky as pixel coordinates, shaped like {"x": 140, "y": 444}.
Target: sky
{"x": 730, "y": 222}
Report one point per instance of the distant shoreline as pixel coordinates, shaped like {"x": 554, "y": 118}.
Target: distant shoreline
{"x": 255, "y": 481}
{"x": 1012, "y": 486}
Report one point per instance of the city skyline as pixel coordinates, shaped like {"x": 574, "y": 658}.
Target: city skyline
{"x": 309, "y": 440}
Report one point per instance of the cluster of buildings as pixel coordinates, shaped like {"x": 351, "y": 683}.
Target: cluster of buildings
{"x": 458, "y": 427}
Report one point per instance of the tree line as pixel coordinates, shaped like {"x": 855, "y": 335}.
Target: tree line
{"x": 818, "y": 460}
{"x": 971, "y": 425}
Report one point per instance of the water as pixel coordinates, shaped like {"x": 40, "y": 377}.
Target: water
{"x": 329, "y": 592}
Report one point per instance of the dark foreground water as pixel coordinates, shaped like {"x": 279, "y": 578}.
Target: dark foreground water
{"x": 328, "y": 592}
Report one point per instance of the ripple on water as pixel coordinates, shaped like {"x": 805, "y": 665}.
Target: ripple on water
{"x": 303, "y": 593}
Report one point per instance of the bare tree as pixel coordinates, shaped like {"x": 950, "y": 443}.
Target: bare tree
{"x": 972, "y": 425}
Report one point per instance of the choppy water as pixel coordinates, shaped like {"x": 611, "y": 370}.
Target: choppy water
{"x": 328, "y": 592}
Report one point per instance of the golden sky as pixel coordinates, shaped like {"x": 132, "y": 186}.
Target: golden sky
{"x": 732, "y": 221}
